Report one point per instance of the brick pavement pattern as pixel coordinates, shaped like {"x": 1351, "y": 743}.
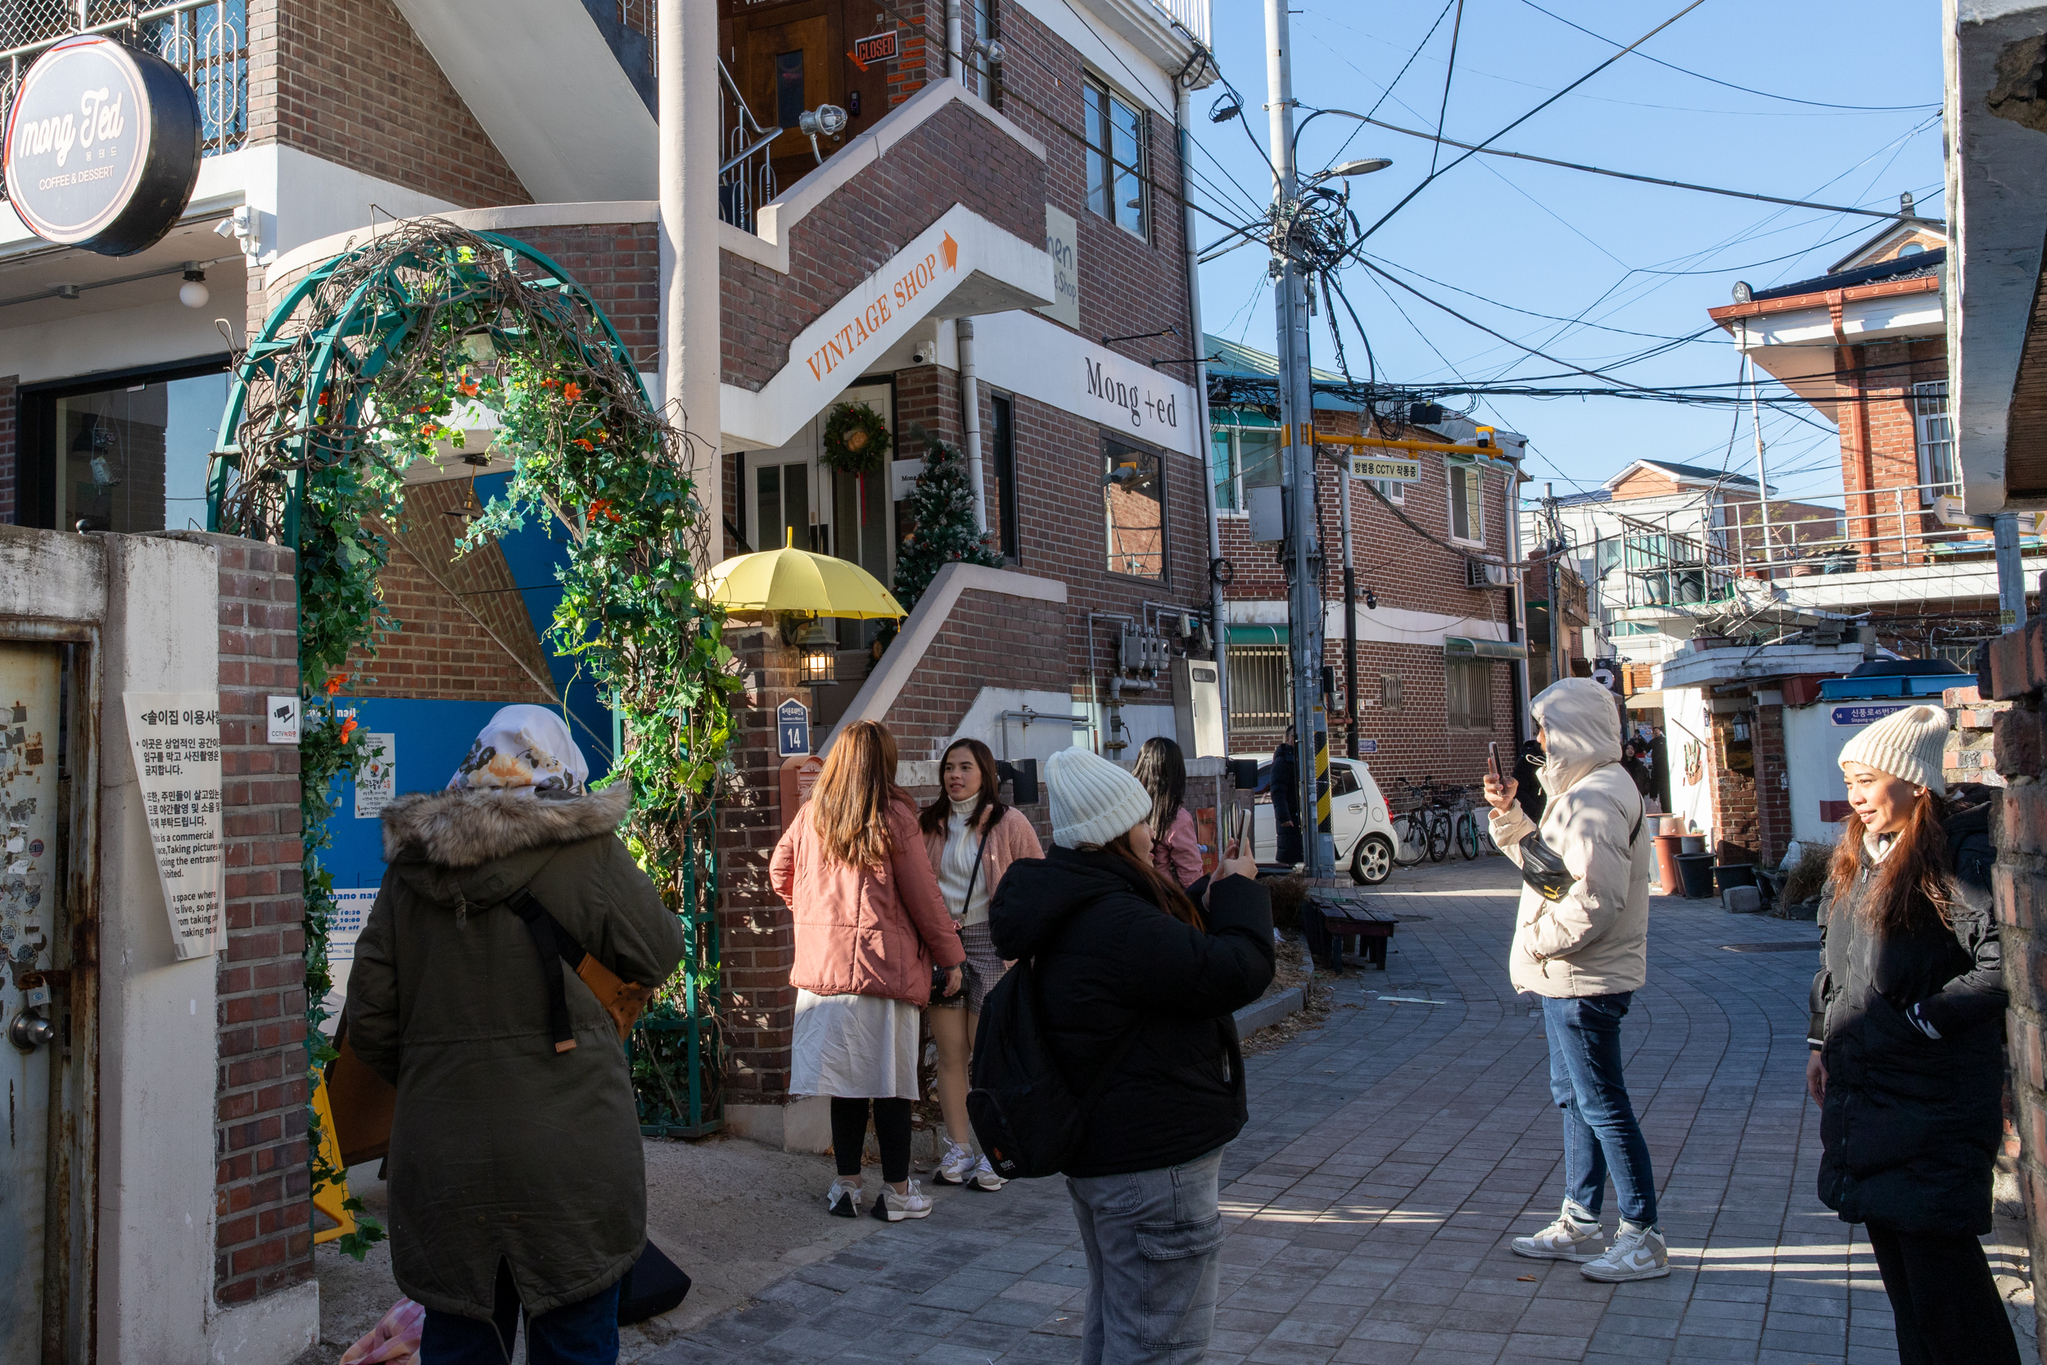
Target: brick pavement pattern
{"x": 1390, "y": 1157}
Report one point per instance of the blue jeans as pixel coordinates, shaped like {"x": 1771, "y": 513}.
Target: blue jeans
{"x": 1600, "y": 1131}
{"x": 583, "y": 1333}
{"x": 1154, "y": 1241}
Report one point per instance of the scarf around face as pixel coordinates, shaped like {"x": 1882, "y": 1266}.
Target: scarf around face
{"x": 524, "y": 749}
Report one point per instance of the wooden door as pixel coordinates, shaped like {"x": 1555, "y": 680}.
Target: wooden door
{"x": 786, "y": 59}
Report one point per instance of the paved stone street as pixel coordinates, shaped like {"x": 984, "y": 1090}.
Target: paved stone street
{"x": 1390, "y": 1156}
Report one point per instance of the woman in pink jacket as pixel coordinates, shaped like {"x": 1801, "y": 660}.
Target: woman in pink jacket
{"x": 972, "y": 839}
{"x": 869, "y": 924}
{"x": 1174, "y": 850}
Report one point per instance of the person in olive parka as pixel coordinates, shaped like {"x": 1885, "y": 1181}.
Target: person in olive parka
{"x": 1907, "y": 1037}
{"x": 516, "y": 1175}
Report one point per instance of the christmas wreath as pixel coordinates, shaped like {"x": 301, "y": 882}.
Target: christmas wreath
{"x": 856, "y": 440}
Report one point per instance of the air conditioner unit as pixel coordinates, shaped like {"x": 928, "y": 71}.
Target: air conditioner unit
{"x": 1484, "y": 573}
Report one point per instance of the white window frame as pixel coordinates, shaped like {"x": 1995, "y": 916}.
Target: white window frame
{"x": 1474, "y": 501}
{"x": 1933, "y": 439}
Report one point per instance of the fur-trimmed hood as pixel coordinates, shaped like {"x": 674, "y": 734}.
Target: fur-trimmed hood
{"x": 459, "y": 829}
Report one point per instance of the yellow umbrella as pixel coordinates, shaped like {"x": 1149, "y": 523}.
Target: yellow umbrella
{"x": 796, "y": 581}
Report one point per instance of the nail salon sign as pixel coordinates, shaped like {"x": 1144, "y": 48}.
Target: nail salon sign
{"x": 102, "y": 146}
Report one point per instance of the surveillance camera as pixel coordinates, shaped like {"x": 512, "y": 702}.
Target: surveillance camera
{"x": 923, "y": 354}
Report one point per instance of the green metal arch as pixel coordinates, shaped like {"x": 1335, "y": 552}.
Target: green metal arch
{"x": 389, "y": 332}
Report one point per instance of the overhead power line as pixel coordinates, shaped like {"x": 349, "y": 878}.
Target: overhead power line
{"x": 1746, "y": 90}
{"x": 1618, "y": 175}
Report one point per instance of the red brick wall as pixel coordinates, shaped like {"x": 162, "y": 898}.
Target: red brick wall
{"x": 2018, "y": 672}
{"x": 1738, "y": 832}
{"x": 754, "y": 937}
{"x": 619, "y": 264}
{"x": 1407, "y": 571}
{"x": 1880, "y": 450}
{"x": 991, "y": 639}
{"x": 10, "y": 468}
{"x": 466, "y": 646}
{"x": 347, "y": 80}
{"x": 1773, "y": 795}
{"x": 953, "y": 157}
{"x": 263, "y": 1241}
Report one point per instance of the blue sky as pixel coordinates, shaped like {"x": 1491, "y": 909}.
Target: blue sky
{"x": 1558, "y": 242}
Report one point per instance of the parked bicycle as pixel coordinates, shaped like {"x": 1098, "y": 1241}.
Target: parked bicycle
{"x": 1424, "y": 829}
{"x": 1474, "y": 835}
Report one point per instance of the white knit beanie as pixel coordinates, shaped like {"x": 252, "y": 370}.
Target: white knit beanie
{"x": 1093, "y": 800}
{"x": 1906, "y": 744}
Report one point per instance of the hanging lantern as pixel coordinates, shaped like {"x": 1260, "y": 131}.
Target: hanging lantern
{"x": 820, "y": 656}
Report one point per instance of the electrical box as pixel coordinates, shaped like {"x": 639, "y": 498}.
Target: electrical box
{"x": 1267, "y": 508}
{"x": 1197, "y": 708}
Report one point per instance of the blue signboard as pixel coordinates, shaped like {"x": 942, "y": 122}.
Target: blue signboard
{"x": 792, "y": 729}
{"x": 1368, "y": 746}
{"x": 1863, "y": 715}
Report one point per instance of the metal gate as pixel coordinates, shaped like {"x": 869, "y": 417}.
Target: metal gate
{"x": 45, "y": 1006}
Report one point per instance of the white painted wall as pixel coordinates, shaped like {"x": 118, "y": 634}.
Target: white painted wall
{"x": 1040, "y": 739}
{"x": 1812, "y": 754}
{"x": 158, "y": 1023}
{"x": 1685, "y": 721}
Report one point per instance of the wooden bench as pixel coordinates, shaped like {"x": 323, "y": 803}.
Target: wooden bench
{"x": 1370, "y": 928}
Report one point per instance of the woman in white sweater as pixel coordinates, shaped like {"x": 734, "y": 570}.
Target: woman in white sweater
{"x": 972, "y": 839}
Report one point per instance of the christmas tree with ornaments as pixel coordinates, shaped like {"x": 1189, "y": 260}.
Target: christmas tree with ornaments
{"x": 941, "y": 511}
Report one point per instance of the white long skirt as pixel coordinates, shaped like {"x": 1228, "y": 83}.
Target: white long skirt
{"x": 856, "y": 1047}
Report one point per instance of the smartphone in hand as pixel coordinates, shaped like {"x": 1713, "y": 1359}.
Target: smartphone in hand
{"x": 1492, "y": 761}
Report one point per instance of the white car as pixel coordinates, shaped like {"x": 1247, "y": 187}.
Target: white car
{"x": 1357, "y": 816}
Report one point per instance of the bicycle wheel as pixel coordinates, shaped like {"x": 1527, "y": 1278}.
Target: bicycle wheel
{"x": 1439, "y": 836}
{"x": 1410, "y": 842}
{"x": 1467, "y": 835}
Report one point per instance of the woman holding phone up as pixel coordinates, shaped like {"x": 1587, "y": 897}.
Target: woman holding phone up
{"x": 972, "y": 839}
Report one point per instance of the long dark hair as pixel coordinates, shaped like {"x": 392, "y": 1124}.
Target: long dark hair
{"x": 1166, "y": 894}
{"x": 990, "y": 808}
{"x": 1912, "y": 885}
{"x": 1163, "y": 771}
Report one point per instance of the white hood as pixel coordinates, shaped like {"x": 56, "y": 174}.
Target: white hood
{"x": 1581, "y": 731}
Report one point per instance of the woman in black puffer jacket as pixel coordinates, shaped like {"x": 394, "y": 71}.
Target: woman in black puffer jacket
{"x": 1907, "y": 1038}
{"x": 1129, "y": 963}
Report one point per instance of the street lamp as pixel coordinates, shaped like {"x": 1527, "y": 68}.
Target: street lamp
{"x": 1363, "y": 165}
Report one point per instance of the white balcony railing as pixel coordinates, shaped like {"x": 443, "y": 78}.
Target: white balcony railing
{"x": 206, "y": 40}
{"x": 1191, "y": 15}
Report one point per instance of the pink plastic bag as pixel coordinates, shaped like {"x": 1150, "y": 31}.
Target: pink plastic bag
{"x": 394, "y": 1340}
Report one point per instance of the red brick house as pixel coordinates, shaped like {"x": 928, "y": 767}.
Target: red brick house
{"x": 1441, "y": 654}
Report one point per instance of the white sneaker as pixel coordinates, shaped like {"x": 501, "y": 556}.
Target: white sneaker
{"x": 983, "y": 1177}
{"x": 891, "y": 1207}
{"x": 1637, "y": 1253}
{"x": 1563, "y": 1239}
{"x": 843, "y": 1200}
{"x": 957, "y": 1167}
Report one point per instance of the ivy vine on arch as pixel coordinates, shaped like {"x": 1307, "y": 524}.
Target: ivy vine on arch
{"x": 382, "y": 355}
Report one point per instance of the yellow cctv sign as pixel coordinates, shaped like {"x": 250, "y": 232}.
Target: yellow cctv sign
{"x": 1389, "y": 471}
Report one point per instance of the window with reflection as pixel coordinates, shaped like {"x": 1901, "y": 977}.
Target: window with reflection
{"x": 1134, "y": 508}
{"x": 1116, "y": 187}
{"x": 126, "y": 457}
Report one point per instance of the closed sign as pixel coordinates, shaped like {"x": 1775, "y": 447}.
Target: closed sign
{"x": 102, "y": 146}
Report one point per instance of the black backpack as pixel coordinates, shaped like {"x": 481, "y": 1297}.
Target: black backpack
{"x": 1021, "y": 1105}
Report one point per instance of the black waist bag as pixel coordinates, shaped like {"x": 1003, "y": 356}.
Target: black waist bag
{"x": 1022, "y": 1107}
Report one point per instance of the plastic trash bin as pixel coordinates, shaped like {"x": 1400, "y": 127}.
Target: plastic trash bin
{"x": 1695, "y": 870}
{"x": 1731, "y": 875}
{"x": 1666, "y": 863}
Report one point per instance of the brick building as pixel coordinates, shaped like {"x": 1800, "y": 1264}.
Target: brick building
{"x": 1441, "y": 653}
{"x": 983, "y": 240}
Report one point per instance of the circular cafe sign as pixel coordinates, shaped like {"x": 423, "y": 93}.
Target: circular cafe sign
{"x": 102, "y": 146}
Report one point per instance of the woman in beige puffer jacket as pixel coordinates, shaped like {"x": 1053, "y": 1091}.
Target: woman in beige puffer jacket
{"x": 1585, "y": 954}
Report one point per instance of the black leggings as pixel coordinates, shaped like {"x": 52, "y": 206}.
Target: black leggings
{"x": 891, "y": 1131}
{"x": 1946, "y": 1304}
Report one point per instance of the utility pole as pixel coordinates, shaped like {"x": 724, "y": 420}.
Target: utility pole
{"x": 1762, "y": 469}
{"x": 1553, "y": 547}
{"x": 1297, "y": 468}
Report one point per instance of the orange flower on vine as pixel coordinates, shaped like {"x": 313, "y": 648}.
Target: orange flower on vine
{"x": 572, "y": 392}
{"x": 333, "y": 684}
{"x": 468, "y": 388}
{"x": 579, "y": 441}
{"x": 347, "y": 729}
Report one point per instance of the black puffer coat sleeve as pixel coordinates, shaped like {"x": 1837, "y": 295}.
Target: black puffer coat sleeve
{"x": 1191, "y": 975}
{"x": 1821, "y": 994}
{"x": 1977, "y": 995}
